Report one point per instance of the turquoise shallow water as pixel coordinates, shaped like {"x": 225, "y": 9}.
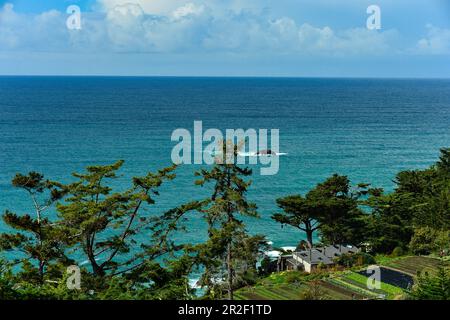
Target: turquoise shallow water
{"x": 366, "y": 129}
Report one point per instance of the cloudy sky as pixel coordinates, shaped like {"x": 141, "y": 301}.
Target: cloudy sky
{"x": 226, "y": 38}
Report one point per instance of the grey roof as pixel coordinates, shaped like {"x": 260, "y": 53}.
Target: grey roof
{"x": 324, "y": 255}
{"x": 312, "y": 256}
{"x": 336, "y": 250}
{"x": 292, "y": 261}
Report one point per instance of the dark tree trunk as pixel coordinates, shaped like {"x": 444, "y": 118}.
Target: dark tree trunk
{"x": 230, "y": 273}
{"x": 309, "y": 233}
{"x": 41, "y": 271}
{"x": 229, "y": 257}
{"x": 98, "y": 271}
{"x": 309, "y": 238}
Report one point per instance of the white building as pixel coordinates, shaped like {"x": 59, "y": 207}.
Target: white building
{"x": 309, "y": 259}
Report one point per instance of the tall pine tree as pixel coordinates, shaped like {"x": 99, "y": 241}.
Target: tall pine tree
{"x": 225, "y": 255}
{"x": 38, "y": 241}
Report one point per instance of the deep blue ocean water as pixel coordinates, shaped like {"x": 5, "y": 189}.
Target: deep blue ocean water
{"x": 365, "y": 128}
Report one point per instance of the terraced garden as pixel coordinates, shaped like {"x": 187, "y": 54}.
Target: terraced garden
{"x": 335, "y": 291}
{"x": 412, "y": 265}
{"x": 358, "y": 283}
{"x": 294, "y": 292}
{"x": 393, "y": 277}
{"x": 396, "y": 275}
{"x": 275, "y": 292}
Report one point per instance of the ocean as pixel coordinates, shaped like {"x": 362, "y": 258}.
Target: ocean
{"x": 367, "y": 129}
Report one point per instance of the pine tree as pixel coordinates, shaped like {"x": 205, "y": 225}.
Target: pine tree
{"x": 221, "y": 255}
{"x": 330, "y": 208}
{"x": 299, "y": 213}
{"x": 38, "y": 242}
{"x": 103, "y": 223}
{"x": 433, "y": 286}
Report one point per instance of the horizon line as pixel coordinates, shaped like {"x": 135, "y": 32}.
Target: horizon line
{"x": 225, "y": 76}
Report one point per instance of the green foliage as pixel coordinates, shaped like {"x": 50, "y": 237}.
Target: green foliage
{"x": 427, "y": 240}
{"x": 356, "y": 259}
{"x": 267, "y": 266}
{"x": 421, "y": 200}
{"x": 443, "y": 164}
{"x": 389, "y": 225}
{"x": 7, "y": 291}
{"x": 229, "y": 254}
{"x": 390, "y": 290}
{"x": 299, "y": 213}
{"x": 103, "y": 223}
{"x": 432, "y": 286}
{"x": 132, "y": 255}
{"x": 342, "y": 221}
{"x": 397, "y": 252}
{"x": 331, "y": 208}
{"x": 37, "y": 241}
{"x": 294, "y": 277}
{"x": 313, "y": 292}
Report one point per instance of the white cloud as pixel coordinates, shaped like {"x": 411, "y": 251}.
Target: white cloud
{"x": 176, "y": 26}
{"x": 125, "y": 26}
{"x": 39, "y": 32}
{"x": 166, "y": 7}
{"x": 154, "y": 7}
{"x": 437, "y": 41}
{"x": 187, "y": 10}
{"x": 8, "y": 36}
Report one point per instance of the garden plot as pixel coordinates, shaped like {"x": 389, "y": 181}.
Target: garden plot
{"x": 412, "y": 265}
{"x": 393, "y": 278}
{"x": 388, "y": 288}
{"x": 273, "y": 292}
{"x": 336, "y": 291}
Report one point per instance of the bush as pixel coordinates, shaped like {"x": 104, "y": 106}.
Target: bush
{"x": 294, "y": 276}
{"x": 427, "y": 240}
{"x": 356, "y": 259}
{"x": 321, "y": 266}
{"x": 313, "y": 292}
{"x": 363, "y": 259}
{"x": 432, "y": 287}
{"x": 397, "y": 252}
{"x": 267, "y": 267}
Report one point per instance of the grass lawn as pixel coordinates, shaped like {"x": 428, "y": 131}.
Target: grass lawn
{"x": 385, "y": 288}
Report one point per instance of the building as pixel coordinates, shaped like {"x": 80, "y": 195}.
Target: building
{"x": 309, "y": 259}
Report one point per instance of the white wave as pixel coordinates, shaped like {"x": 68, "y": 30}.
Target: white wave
{"x": 251, "y": 154}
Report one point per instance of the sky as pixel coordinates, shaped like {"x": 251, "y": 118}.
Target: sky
{"x": 294, "y": 38}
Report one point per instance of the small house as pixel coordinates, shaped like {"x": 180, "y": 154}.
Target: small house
{"x": 309, "y": 259}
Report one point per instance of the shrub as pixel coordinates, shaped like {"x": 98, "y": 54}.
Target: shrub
{"x": 321, "y": 266}
{"x": 294, "y": 276}
{"x": 432, "y": 287}
{"x": 356, "y": 259}
{"x": 363, "y": 258}
{"x": 397, "y": 252}
{"x": 427, "y": 240}
{"x": 267, "y": 267}
{"x": 314, "y": 292}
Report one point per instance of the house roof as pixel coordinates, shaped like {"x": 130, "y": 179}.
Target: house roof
{"x": 292, "y": 261}
{"x": 324, "y": 254}
{"x": 312, "y": 256}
